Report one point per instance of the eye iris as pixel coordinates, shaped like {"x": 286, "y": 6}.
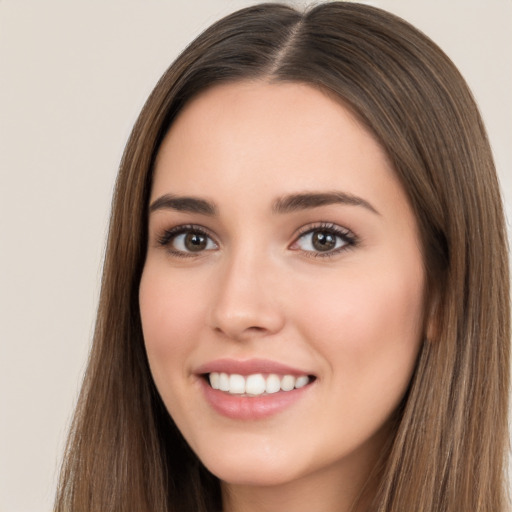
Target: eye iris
{"x": 323, "y": 241}
{"x": 195, "y": 242}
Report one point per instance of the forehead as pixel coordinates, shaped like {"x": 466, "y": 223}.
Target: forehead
{"x": 269, "y": 139}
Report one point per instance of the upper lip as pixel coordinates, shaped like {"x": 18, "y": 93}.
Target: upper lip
{"x": 248, "y": 367}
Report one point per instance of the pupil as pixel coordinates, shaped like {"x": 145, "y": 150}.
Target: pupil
{"x": 323, "y": 241}
{"x": 195, "y": 242}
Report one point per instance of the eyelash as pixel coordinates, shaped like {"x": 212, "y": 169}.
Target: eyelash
{"x": 170, "y": 234}
{"x": 348, "y": 238}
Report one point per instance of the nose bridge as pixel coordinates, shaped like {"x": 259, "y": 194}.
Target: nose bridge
{"x": 245, "y": 300}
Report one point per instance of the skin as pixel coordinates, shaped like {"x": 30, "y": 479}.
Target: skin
{"x": 352, "y": 318}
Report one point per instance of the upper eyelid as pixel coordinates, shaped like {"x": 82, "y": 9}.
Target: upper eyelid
{"x": 183, "y": 228}
{"x": 327, "y": 226}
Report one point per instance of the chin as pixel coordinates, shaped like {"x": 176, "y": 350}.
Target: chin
{"x": 253, "y": 476}
{"x": 236, "y": 469}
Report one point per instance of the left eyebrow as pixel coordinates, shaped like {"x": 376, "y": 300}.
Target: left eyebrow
{"x": 295, "y": 202}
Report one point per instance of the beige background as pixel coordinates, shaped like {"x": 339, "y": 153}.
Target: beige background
{"x": 73, "y": 76}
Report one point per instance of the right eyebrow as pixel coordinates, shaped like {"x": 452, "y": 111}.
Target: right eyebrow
{"x": 187, "y": 204}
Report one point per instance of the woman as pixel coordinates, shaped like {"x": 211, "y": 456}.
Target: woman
{"x": 305, "y": 298}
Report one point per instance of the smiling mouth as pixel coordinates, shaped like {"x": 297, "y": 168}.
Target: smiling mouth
{"x": 256, "y": 384}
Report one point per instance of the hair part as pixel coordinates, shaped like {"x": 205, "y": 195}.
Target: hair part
{"x": 449, "y": 449}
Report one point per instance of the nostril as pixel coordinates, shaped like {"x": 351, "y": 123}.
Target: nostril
{"x": 239, "y": 332}
{"x": 239, "y": 313}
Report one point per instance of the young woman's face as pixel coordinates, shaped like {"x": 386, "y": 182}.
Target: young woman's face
{"x": 283, "y": 267}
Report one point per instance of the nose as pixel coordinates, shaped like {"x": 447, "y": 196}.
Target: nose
{"x": 246, "y": 304}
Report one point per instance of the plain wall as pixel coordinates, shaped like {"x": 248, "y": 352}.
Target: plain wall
{"x": 73, "y": 77}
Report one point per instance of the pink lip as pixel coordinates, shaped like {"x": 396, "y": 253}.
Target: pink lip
{"x": 240, "y": 407}
{"x": 248, "y": 367}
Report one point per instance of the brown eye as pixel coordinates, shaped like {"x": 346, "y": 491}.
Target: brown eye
{"x": 195, "y": 242}
{"x": 183, "y": 241}
{"x": 328, "y": 240}
{"x": 323, "y": 241}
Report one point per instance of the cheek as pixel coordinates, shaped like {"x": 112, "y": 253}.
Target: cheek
{"x": 368, "y": 326}
{"x": 170, "y": 313}
{"x": 365, "y": 309}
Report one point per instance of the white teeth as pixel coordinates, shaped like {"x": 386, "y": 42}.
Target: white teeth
{"x": 256, "y": 384}
{"x": 287, "y": 383}
{"x": 214, "y": 380}
{"x": 224, "y": 382}
{"x": 301, "y": 381}
{"x": 273, "y": 384}
{"x": 236, "y": 384}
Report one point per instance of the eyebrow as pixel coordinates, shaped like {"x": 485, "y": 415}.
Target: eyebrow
{"x": 184, "y": 204}
{"x": 286, "y": 204}
{"x": 295, "y": 202}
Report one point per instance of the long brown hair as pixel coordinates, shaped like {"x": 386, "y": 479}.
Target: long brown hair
{"x": 449, "y": 448}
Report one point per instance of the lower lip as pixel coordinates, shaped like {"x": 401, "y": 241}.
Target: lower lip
{"x": 239, "y": 407}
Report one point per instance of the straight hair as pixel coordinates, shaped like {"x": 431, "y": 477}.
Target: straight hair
{"x": 448, "y": 450}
